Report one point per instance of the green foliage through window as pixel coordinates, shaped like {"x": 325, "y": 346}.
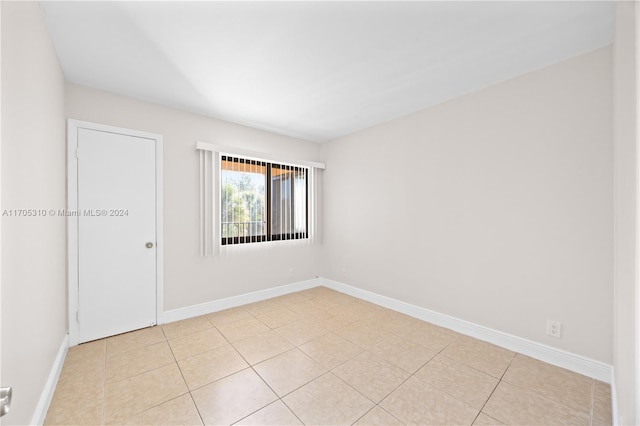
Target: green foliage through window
{"x": 262, "y": 201}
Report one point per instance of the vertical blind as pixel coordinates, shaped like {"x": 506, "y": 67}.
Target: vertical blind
{"x": 207, "y": 204}
{"x": 262, "y": 201}
{"x": 246, "y": 200}
{"x": 242, "y": 200}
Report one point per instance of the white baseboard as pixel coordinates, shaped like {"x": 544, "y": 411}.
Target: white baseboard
{"x": 232, "y": 302}
{"x": 573, "y": 362}
{"x": 40, "y": 412}
{"x": 560, "y": 358}
{"x": 577, "y": 363}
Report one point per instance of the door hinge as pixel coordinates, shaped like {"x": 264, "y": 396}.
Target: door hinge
{"x": 77, "y": 152}
{"x": 77, "y": 316}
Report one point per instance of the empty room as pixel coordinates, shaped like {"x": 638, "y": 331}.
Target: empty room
{"x": 337, "y": 213}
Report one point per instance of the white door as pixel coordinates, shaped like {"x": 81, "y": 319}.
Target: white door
{"x": 116, "y": 233}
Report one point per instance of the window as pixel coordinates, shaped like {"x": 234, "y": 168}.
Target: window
{"x": 262, "y": 201}
{"x": 248, "y": 197}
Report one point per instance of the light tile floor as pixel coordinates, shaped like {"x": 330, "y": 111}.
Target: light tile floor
{"x": 315, "y": 357}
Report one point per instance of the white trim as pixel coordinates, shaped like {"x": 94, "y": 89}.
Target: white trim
{"x": 40, "y": 413}
{"x": 560, "y": 358}
{"x": 208, "y": 169}
{"x": 577, "y": 363}
{"x": 205, "y": 146}
{"x": 243, "y": 299}
{"x": 159, "y": 228}
{"x": 637, "y": 223}
{"x": 636, "y": 390}
{"x": 573, "y": 362}
{"x": 72, "y": 221}
{"x": 72, "y": 230}
{"x": 210, "y": 189}
{"x": 615, "y": 421}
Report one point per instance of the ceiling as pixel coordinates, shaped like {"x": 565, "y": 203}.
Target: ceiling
{"x": 315, "y": 70}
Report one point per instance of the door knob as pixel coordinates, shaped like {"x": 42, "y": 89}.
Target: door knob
{"x": 149, "y": 245}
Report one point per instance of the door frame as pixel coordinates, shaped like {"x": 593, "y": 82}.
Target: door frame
{"x": 72, "y": 220}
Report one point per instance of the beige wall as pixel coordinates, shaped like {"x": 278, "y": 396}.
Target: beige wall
{"x": 189, "y": 278}
{"x": 626, "y": 214}
{"x": 495, "y": 208}
{"x": 33, "y": 177}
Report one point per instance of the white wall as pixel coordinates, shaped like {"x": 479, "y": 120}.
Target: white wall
{"x": 33, "y": 177}
{"x": 189, "y": 278}
{"x": 626, "y": 290}
{"x": 495, "y": 208}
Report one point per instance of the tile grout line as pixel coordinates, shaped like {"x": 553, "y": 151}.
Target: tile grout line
{"x": 278, "y": 397}
{"x": 494, "y": 390}
{"x": 142, "y": 372}
{"x": 290, "y": 409}
{"x": 104, "y": 384}
{"x": 223, "y": 377}
{"x": 422, "y": 381}
{"x": 365, "y": 413}
{"x": 593, "y": 397}
{"x": 364, "y": 349}
{"x": 377, "y": 404}
{"x": 183, "y": 378}
{"x": 545, "y": 396}
{"x": 328, "y": 371}
{"x": 331, "y": 330}
{"x": 249, "y": 366}
{"x": 271, "y": 329}
{"x": 157, "y": 368}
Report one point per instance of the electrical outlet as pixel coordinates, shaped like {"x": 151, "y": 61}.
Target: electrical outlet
{"x": 554, "y": 329}
{"x": 290, "y": 273}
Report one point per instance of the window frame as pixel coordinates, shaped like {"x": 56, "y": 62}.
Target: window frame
{"x": 268, "y": 236}
{"x": 208, "y": 156}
